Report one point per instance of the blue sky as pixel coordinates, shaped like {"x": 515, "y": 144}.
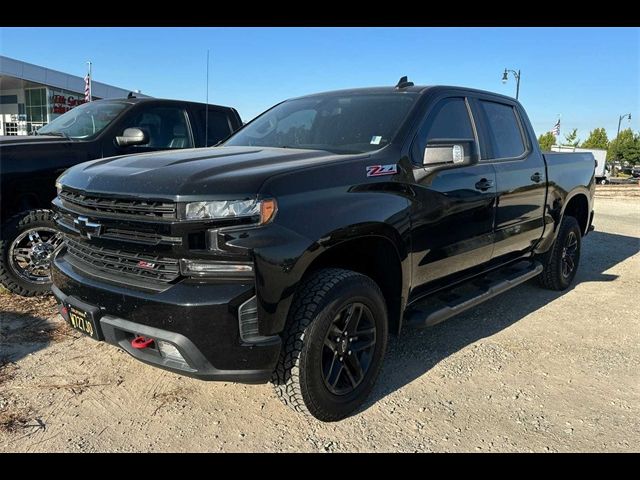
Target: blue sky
{"x": 588, "y": 75}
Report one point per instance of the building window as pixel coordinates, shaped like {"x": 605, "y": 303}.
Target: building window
{"x": 11, "y": 128}
{"x": 36, "y": 105}
{"x": 8, "y": 99}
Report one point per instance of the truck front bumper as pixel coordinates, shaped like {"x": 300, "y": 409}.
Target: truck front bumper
{"x": 196, "y": 322}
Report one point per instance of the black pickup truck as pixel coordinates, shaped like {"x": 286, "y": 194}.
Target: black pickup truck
{"x": 29, "y": 166}
{"x": 289, "y": 252}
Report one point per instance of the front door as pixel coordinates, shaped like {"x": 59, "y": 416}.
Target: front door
{"x": 166, "y": 126}
{"x": 453, "y": 209}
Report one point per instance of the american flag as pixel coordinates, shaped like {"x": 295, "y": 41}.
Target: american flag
{"x": 556, "y": 128}
{"x": 87, "y": 88}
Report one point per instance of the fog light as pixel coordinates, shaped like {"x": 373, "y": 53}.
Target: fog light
{"x": 170, "y": 352}
{"x": 248, "y": 319}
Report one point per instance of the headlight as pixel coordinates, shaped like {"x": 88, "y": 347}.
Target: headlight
{"x": 265, "y": 209}
{"x": 58, "y": 187}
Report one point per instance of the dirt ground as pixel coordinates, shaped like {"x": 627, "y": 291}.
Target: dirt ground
{"x": 531, "y": 370}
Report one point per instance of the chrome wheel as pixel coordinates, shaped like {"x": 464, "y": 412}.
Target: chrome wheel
{"x": 31, "y": 253}
{"x": 348, "y": 349}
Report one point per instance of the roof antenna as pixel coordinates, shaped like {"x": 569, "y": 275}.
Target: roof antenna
{"x": 206, "y": 115}
{"x": 131, "y": 95}
{"x": 404, "y": 83}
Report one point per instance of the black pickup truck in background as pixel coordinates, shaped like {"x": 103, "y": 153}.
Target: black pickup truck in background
{"x": 289, "y": 252}
{"x": 29, "y": 166}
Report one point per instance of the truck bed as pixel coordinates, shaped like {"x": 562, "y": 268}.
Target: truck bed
{"x": 570, "y": 169}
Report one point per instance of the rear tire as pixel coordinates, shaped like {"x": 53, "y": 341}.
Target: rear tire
{"x": 23, "y": 269}
{"x": 321, "y": 371}
{"x": 561, "y": 261}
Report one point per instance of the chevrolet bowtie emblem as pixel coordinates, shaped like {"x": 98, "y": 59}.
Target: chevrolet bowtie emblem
{"x": 86, "y": 228}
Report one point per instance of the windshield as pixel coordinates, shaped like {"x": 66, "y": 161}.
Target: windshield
{"x": 83, "y": 121}
{"x": 337, "y": 123}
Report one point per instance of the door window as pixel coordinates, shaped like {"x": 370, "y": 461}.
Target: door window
{"x": 449, "y": 120}
{"x": 167, "y": 127}
{"x": 218, "y": 126}
{"x": 504, "y": 130}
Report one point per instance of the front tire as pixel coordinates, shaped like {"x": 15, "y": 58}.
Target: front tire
{"x": 561, "y": 261}
{"x": 28, "y": 242}
{"x": 333, "y": 345}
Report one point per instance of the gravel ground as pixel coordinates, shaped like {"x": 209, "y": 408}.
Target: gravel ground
{"x": 531, "y": 370}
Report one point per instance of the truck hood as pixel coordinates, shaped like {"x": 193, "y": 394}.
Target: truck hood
{"x": 186, "y": 175}
{"x": 27, "y": 140}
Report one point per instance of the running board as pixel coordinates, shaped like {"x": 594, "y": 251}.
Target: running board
{"x": 443, "y": 305}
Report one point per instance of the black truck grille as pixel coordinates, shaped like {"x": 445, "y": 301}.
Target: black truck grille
{"x": 137, "y": 208}
{"x": 123, "y": 265}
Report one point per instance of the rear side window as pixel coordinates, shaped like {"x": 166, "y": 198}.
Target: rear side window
{"x": 219, "y": 127}
{"x": 504, "y": 130}
{"x": 449, "y": 120}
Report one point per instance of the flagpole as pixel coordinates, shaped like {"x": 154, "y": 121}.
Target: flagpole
{"x": 90, "y": 80}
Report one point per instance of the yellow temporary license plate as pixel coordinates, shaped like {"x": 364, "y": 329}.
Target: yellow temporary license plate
{"x": 84, "y": 322}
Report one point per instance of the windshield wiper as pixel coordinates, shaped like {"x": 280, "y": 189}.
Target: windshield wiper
{"x": 58, "y": 134}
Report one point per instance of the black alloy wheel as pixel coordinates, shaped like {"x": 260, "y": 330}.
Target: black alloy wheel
{"x": 569, "y": 254}
{"x": 348, "y": 349}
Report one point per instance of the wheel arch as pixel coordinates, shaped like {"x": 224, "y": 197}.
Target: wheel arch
{"x": 376, "y": 256}
{"x": 577, "y": 206}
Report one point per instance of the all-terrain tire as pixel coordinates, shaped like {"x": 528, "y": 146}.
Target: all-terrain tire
{"x": 552, "y": 276}
{"x": 298, "y": 379}
{"x": 10, "y": 230}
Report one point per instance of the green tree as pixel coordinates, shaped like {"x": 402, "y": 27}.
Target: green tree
{"x": 630, "y": 150}
{"x": 622, "y": 147}
{"x": 597, "y": 139}
{"x": 546, "y": 140}
{"x": 572, "y": 138}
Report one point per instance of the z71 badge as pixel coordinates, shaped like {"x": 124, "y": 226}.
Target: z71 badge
{"x": 379, "y": 170}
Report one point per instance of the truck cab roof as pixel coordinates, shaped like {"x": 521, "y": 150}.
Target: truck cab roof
{"x": 416, "y": 89}
{"x": 147, "y": 100}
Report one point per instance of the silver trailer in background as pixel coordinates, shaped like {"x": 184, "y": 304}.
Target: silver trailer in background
{"x": 602, "y": 172}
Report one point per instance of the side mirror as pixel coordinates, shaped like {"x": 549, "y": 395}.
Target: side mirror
{"x": 132, "y": 136}
{"x": 450, "y": 153}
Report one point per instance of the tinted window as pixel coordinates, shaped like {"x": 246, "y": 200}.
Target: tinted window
{"x": 449, "y": 120}
{"x": 333, "y": 122}
{"x": 504, "y": 129}
{"x": 218, "y": 126}
{"x": 8, "y": 99}
{"x": 166, "y": 126}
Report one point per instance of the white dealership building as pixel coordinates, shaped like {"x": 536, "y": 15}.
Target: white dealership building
{"x": 32, "y": 96}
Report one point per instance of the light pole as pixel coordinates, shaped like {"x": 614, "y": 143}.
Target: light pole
{"x": 620, "y": 121}
{"x": 505, "y": 77}
{"x": 618, "y": 134}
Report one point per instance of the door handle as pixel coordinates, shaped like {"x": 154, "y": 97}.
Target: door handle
{"x": 484, "y": 184}
{"x": 536, "y": 177}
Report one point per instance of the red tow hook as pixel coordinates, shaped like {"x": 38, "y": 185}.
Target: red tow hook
{"x": 141, "y": 342}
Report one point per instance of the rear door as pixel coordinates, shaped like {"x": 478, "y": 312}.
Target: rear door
{"x": 214, "y": 126}
{"x": 520, "y": 176}
{"x": 453, "y": 208}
